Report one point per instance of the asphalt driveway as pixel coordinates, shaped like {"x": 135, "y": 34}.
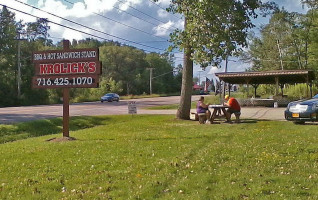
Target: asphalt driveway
{"x": 28, "y": 113}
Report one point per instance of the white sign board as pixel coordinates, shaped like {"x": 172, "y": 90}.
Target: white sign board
{"x": 132, "y": 108}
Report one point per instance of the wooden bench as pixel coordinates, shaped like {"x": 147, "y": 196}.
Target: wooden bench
{"x": 237, "y": 116}
{"x": 201, "y": 117}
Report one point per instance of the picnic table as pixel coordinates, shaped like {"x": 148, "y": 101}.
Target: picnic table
{"x": 217, "y": 111}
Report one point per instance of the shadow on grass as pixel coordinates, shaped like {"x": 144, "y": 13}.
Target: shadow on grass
{"x": 47, "y": 127}
{"x": 308, "y": 123}
{"x": 242, "y": 121}
{"x": 249, "y": 121}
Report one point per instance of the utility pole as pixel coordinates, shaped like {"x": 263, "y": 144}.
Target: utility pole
{"x": 150, "y": 79}
{"x": 200, "y": 77}
{"x": 225, "y": 70}
{"x": 19, "y": 67}
{"x": 223, "y": 89}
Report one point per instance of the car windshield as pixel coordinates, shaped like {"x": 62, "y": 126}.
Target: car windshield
{"x": 316, "y": 96}
{"x": 109, "y": 95}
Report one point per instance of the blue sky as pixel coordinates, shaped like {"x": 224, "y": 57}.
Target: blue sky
{"x": 139, "y": 23}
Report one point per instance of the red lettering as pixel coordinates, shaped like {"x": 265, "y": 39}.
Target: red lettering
{"x": 49, "y": 69}
{"x": 91, "y": 67}
{"x": 74, "y": 68}
{"x": 81, "y": 67}
{"x": 63, "y": 69}
{"x": 57, "y": 68}
{"x": 42, "y": 68}
{"x": 68, "y": 68}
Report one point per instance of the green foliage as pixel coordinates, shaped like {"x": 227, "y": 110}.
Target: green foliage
{"x": 265, "y": 91}
{"x": 299, "y": 91}
{"x": 124, "y": 67}
{"x": 215, "y": 29}
{"x": 158, "y": 157}
{"x": 289, "y": 41}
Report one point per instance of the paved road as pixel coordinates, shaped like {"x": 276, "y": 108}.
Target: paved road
{"x": 28, "y": 113}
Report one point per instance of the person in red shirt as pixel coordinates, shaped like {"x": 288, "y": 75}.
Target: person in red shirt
{"x": 234, "y": 107}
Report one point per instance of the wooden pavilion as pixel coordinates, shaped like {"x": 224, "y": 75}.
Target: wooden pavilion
{"x": 279, "y": 78}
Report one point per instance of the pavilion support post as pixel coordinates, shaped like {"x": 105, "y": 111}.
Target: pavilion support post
{"x": 282, "y": 89}
{"x": 230, "y": 86}
{"x": 248, "y": 90}
{"x": 310, "y": 85}
{"x": 277, "y": 85}
{"x": 255, "y": 88}
{"x": 307, "y": 83}
{"x": 221, "y": 91}
{"x": 248, "y": 87}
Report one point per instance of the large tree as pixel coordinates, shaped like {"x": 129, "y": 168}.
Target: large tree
{"x": 213, "y": 30}
{"x": 282, "y": 43}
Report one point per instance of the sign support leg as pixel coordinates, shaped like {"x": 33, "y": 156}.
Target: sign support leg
{"x": 66, "y": 101}
{"x": 66, "y": 112}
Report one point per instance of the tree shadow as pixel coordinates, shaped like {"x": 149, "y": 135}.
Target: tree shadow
{"x": 308, "y": 124}
{"x": 242, "y": 121}
{"x": 48, "y": 127}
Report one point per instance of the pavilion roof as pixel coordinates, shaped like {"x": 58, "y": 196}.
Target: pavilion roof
{"x": 267, "y": 77}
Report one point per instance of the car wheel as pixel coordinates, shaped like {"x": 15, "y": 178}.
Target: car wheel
{"x": 102, "y": 101}
{"x": 299, "y": 122}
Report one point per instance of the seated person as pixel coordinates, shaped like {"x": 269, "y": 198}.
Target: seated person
{"x": 203, "y": 108}
{"x": 233, "y": 105}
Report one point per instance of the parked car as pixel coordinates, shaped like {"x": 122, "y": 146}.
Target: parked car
{"x": 110, "y": 97}
{"x": 303, "y": 110}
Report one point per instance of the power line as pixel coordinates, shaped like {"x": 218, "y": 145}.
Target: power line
{"x": 129, "y": 14}
{"x": 83, "y": 26}
{"x": 129, "y": 26}
{"x": 144, "y": 13}
{"x": 164, "y": 9}
{"x": 108, "y": 18}
{"x": 83, "y": 31}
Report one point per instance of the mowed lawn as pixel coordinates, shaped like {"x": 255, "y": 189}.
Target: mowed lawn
{"x": 160, "y": 157}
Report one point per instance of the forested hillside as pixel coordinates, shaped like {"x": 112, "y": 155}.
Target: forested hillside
{"x": 125, "y": 68}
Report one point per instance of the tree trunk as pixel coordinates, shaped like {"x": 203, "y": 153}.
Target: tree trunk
{"x": 187, "y": 81}
{"x": 186, "y": 88}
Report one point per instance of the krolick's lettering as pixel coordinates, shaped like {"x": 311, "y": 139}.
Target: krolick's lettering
{"x": 68, "y": 68}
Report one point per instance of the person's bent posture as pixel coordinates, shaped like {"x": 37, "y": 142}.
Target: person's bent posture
{"x": 203, "y": 108}
{"x": 234, "y": 107}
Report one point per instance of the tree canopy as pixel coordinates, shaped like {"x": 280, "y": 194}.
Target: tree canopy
{"x": 213, "y": 30}
{"x": 124, "y": 67}
{"x": 289, "y": 41}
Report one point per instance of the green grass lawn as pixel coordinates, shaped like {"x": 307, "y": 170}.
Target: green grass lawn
{"x": 159, "y": 157}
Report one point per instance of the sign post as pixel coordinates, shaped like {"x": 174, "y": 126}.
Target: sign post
{"x": 66, "y": 101}
{"x": 67, "y": 68}
{"x": 132, "y": 108}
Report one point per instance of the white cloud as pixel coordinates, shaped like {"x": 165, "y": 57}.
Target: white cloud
{"x": 163, "y": 29}
{"x": 99, "y": 5}
{"x": 162, "y": 13}
{"x": 165, "y": 3}
{"x": 214, "y": 70}
{"x": 70, "y": 35}
{"x": 126, "y": 4}
{"x": 78, "y": 10}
